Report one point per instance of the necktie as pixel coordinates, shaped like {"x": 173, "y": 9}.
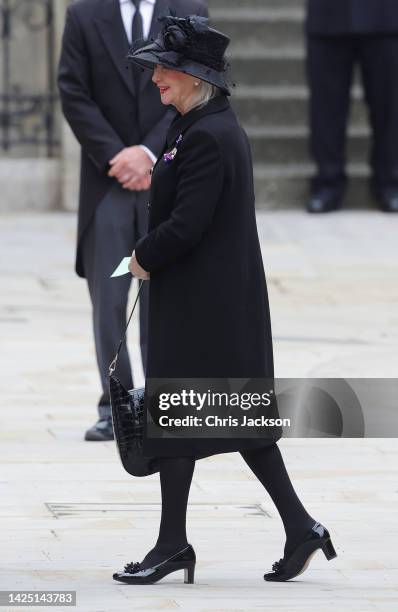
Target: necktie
{"x": 137, "y": 33}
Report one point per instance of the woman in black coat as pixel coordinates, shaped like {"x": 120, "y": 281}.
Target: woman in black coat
{"x": 208, "y": 314}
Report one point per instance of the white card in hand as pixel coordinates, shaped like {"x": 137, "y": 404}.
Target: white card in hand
{"x": 122, "y": 267}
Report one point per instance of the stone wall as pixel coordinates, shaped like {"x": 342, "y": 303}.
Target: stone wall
{"x": 271, "y": 100}
{"x": 70, "y": 151}
{"x": 29, "y": 179}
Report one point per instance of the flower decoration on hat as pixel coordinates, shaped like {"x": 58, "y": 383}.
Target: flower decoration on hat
{"x": 189, "y": 37}
{"x": 179, "y": 32}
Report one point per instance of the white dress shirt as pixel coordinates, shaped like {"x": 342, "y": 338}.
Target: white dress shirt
{"x": 127, "y": 10}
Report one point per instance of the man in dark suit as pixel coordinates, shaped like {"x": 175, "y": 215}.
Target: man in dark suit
{"x": 341, "y": 33}
{"x": 116, "y": 115}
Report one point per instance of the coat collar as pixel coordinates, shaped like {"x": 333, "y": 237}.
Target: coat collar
{"x": 181, "y": 123}
{"x": 111, "y": 28}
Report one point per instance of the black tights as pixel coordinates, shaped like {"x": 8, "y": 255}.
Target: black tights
{"x": 175, "y": 481}
{"x": 268, "y": 466}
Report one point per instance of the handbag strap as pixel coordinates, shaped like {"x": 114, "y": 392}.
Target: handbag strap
{"x": 112, "y": 366}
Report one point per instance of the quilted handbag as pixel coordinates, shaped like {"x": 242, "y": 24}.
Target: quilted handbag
{"x": 127, "y": 408}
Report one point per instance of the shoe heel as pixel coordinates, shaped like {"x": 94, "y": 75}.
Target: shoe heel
{"x": 328, "y": 549}
{"x": 189, "y": 574}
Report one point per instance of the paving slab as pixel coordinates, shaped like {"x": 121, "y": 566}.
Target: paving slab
{"x": 71, "y": 516}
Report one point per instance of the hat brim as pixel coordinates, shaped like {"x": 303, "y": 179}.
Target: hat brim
{"x": 151, "y": 56}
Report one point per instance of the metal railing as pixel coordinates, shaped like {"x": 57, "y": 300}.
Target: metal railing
{"x": 27, "y": 118}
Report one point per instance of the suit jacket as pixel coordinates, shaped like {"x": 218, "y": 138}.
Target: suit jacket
{"x": 98, "y": 96}
{"x": 334, "y": 17}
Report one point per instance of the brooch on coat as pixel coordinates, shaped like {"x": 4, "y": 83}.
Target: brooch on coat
{"x": 170, "y": 155}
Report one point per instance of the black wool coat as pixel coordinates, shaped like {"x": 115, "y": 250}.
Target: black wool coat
{"x": 341, "y": 17}
{"x": 99, "y": 97}
{"x": 208, "y": 312}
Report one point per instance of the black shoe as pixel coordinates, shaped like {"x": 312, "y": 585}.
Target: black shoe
{"x": 389, "y": 202}
{"x": 324, "y": 201}
{"x": 101, "y": 431}
{"x": 298, "y": 560}
{"x": 184, "y": 559}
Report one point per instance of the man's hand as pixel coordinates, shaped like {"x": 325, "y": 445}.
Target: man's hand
{"x": 136, "y": 270}
{"x": 131, "y": 167}
{"x": 139, "y": 185}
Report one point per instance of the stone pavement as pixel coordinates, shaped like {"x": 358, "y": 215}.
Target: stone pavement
{"x": 70, "y": 515}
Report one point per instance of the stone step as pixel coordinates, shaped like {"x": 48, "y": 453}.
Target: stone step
{"x": 255, "y": 29}
{"x": 285, "y": 145}
{"x": 271, "y": 67}
{"x": 268, "y": 67}
{"x": 271, "y": 100}
{"x": 287, "y": 185}
{"x": 226, "y": 5}
{"x": 283, "y": 106}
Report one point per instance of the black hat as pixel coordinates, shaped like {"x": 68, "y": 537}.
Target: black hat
{"x": 189, "y": 45}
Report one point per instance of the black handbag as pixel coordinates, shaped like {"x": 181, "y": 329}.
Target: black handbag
{"x": 127, "y": 409}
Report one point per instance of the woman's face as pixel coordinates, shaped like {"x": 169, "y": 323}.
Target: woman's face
{"x": 176, "y": 88}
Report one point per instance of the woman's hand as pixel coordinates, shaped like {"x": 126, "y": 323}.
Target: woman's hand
{"x": 136, "y": 270}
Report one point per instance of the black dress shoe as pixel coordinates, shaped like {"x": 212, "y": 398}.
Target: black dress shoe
{"x": 389, "y": 202}
{"x": 298, "y": 560}
{"x": 324, "y": 201}
{"x": 184, "y": 559}
{"x": 102, "y": 431}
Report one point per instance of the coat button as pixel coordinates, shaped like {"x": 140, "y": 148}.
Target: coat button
{"x": 149, "y": 205}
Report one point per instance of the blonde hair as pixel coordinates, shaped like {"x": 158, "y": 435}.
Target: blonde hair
{"x": 206, "y": 92}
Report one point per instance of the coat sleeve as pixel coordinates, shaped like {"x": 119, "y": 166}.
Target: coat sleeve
{"x": 200, "y": 177}
{"x": 94, "y": 133}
